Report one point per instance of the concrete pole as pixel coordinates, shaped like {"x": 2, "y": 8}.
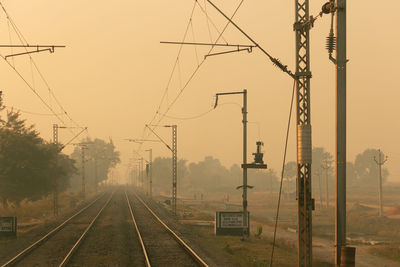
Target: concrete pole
{"x": 151, "y": 172}
{"x": 95, "y": 174}
{"x": 380, "y": 185}
{"x": 320, "y": 189}
{"x": 326, "y": 166}
{"x": 340, "y": 157}
{"x": 380, "y": 162}
{"x": 83, "y": 172}
{"x": 327, "y": 188}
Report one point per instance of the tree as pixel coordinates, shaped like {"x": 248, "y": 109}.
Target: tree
{"x": 291, "y": 175}
{"x": 27, "y": 166}
{"x": 209, "y": 175}
{"x": 367, "y": 169}
{"x": 100, "y": 156}
{"x": 162, "y": 174}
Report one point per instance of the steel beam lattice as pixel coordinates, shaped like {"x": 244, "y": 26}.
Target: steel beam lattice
{"x": 303, "y": 76}
{"x": 174, "y": 167}
{"x": 55, "y": 182}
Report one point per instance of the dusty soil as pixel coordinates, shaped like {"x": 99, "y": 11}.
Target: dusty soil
{"x": 53, "y": 251}
{"x": 9, "y": 247}
{"x": 162, "y": 249}
{"x": 112, "y": 241}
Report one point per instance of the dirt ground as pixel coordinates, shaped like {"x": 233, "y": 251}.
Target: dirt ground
{"x": 112, "y": 241}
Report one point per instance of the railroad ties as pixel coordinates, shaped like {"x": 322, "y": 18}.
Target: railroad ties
{"x": 115, "y": 229}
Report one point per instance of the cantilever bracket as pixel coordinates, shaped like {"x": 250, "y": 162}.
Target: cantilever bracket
{"x": 249, "y": 50}
{"x": 239, "y": 47}
{"x": 39, "y": 48}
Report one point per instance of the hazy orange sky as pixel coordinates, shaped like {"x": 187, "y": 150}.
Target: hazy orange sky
{"x": 114, "y": 71}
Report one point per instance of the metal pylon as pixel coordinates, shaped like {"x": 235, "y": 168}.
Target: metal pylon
{"x": 55, "y": 182}
{"x": 174, "y": 167}
{"x": 304, "y": 149}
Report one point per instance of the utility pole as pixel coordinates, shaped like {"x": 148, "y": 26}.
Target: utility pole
{"x": 244, "y": 165}
{"x": 326, "y": 166}
{"x": 320, "y": 189}
{"x": 150, "y": 172}
{"x": 174, "y": 167}
{"x": 340, "y": 157}
{"x": 302, "y": 27}
{"x": 380, "y": 162}
{"x": 83, "y": 171}
{"x": 141, "y": 173}
{"x": 55, "y": 182}
{"x": 174, "y": 151}
{"x": 96, "y": 179}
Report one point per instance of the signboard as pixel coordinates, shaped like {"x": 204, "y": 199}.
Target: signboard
{"x": 230, "y": 223}
{"x": 8, "y": 226}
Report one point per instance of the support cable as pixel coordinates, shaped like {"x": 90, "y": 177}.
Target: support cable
{"x": 174, "y": 66}
{"x": 33, "y": 90}
{"x": 191, "y": 76}
{"x": 275, "y": 61}
{"x": 33, "y": 113}
{"x": 282, "y": 173}
{"x": 24, "y": 41}
{"x": 197, "y": 69}
{"x": 207, "y": 19}
{"x": 204, "y": 10}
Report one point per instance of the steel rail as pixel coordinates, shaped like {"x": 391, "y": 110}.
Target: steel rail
{"x": 146, "y": 257}
{"x": 188, "y": 249}
{"x": 29, "y": 249}
{"x": 82, "y": 237}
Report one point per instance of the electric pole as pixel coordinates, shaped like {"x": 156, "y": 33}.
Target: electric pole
{"x": 340, "y": 157}
{"x": 55, "y": 182}
{"x": 244, "y": 165}
{"x": 174, "y": 167}
{"x": 83, "y": 147}
{"x": 302, "y": 27}
{"x": 326, "y": 166}
{"x": 95, "y": 174}
{"x": 174, "y": 151}
{"x": 380, "y": 162}
{"x": 320, "y": 189}
{"x": 150, "y": 172}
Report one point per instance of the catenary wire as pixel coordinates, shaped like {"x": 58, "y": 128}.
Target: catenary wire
{"x": 197, "y": 69}
{"x": 32, "y": 113}
{"x": 33, "y": 90}
{"x": 24, "y": 41}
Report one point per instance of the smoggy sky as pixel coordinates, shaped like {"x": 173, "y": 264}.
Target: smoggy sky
{"x": 114, "y": 71}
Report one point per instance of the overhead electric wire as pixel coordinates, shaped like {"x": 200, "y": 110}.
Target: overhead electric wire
{"x": 283, "y": 172}
{"x": 197, "y": 68}
{"x": 204, "y": 10}
{"x": 24, "y": 41}
{"x": 33, "y": 90}
{"x": 208, "y": 21}
{"x": 33, "y": 113}
{"x": 175, "y": 65}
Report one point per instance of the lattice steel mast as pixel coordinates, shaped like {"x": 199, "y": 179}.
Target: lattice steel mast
{"x": 174, "y": 167}
{"x": 303, "y": 76}
{"x": 55, "y": 182}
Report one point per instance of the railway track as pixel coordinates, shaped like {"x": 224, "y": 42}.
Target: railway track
{"x": 50, "y": 250}
{"x": 113, "y": 230}
{"x": 160, "y": 245}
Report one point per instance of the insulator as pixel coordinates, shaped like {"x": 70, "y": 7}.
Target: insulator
{"x": 327, "y": 8}
{"x": 279, "y": 64}
{"x": 331, "y": 42}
